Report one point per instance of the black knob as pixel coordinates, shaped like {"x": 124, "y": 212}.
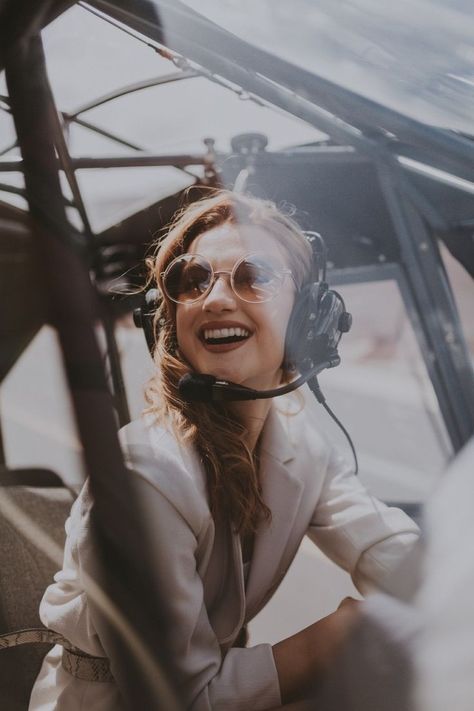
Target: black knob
{"x": 152, "y": 298}
{"x": 345, "y": 322}
{"x": 138, "y": 317}
{"x": 249, "y": 143}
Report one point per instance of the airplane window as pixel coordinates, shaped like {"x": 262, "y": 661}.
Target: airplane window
{"x": 87, "y": 58}
{"x": 137, "y": 365}
{"x": 16, "y": 182}
{"x": 114, "y": 61}
{"x": 463, "y": 289}
{"x": 216, "y": 112}
{"x": 122, "y": 192}
{"x": 7, "y": 130}
{"x": 383, "y": 394}
{"x": 369, "y": 49}
{"x": 38, "y": 425}
{"x": 9, "y": 151}
{"x": 83, "y": 141}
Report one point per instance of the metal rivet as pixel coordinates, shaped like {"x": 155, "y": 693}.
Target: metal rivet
{"x": 449, "y": 336}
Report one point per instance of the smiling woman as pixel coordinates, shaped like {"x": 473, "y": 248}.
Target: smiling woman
{"x": 224, "y": 233}
{"x": 228, "y": 490}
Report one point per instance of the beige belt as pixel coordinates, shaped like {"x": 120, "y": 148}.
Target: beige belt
{"x": 75, "y": 661}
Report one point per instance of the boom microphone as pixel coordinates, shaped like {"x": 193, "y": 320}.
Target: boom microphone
{"x": 194, "y": 387}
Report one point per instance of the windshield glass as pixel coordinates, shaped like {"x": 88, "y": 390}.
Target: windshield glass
{"x": 413, "y": 56}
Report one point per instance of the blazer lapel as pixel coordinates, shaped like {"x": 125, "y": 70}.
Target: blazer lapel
{"x": 230, "y": 602}
{"x": 282, "y": 493}
{"x": 224, "y": 585}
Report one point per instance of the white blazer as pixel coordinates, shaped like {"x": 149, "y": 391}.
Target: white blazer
{"x": 309, "y": 489}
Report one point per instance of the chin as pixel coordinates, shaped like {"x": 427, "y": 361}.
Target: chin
{"x": 220, "y": 370}
{"x": 230, "y": 374}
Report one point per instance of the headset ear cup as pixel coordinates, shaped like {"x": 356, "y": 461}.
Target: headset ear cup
{"x": 331, "y": 308}
{"x": 314, "y": 328}
{"x": 144, "y": 317}
{"x": 305, "y": 312}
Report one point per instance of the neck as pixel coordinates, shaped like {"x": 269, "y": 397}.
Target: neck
{"x": 252, "y": 414}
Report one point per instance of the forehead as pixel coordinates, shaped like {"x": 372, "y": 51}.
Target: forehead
{"x": 227, "y": 243}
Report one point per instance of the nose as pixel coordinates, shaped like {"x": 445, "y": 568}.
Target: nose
{"x": 221, "y": 296}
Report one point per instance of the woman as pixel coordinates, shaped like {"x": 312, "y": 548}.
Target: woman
{"x": 235, "y": 486}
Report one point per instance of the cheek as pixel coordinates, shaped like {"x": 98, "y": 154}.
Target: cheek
{"x": 183, "y": 328}
{"x": 283, "y": 309}
{"x": 277, "y": 319}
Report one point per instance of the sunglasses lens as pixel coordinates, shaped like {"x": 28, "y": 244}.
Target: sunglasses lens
{"x": 256, "y": 279}
{"x": 187, "y": 278}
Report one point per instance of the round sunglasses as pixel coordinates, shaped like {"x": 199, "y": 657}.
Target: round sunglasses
{"x": 254, "y": 278}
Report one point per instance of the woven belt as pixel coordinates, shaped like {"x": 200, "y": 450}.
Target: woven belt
{"x": 75, "y": 661}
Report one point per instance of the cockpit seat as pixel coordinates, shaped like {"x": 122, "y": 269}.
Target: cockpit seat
{"x": 32, "y": 502}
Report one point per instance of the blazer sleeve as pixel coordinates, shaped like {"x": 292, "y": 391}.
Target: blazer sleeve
{"x": 357, "y": 531}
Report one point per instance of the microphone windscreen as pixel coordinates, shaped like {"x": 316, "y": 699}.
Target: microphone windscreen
{"x": 196, "y": 387}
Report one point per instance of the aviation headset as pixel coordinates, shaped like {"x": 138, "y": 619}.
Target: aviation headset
{"x": 316, "y": 324}
{"x": 318, "y": 319}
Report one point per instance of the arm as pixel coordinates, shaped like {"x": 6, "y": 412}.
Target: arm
{"x": 357, "y": 531}
{"x": 373, "y": 666}
{"x": 306, "y": 656}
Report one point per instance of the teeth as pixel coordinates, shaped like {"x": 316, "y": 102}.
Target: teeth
{"x": 225, "y": 332}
